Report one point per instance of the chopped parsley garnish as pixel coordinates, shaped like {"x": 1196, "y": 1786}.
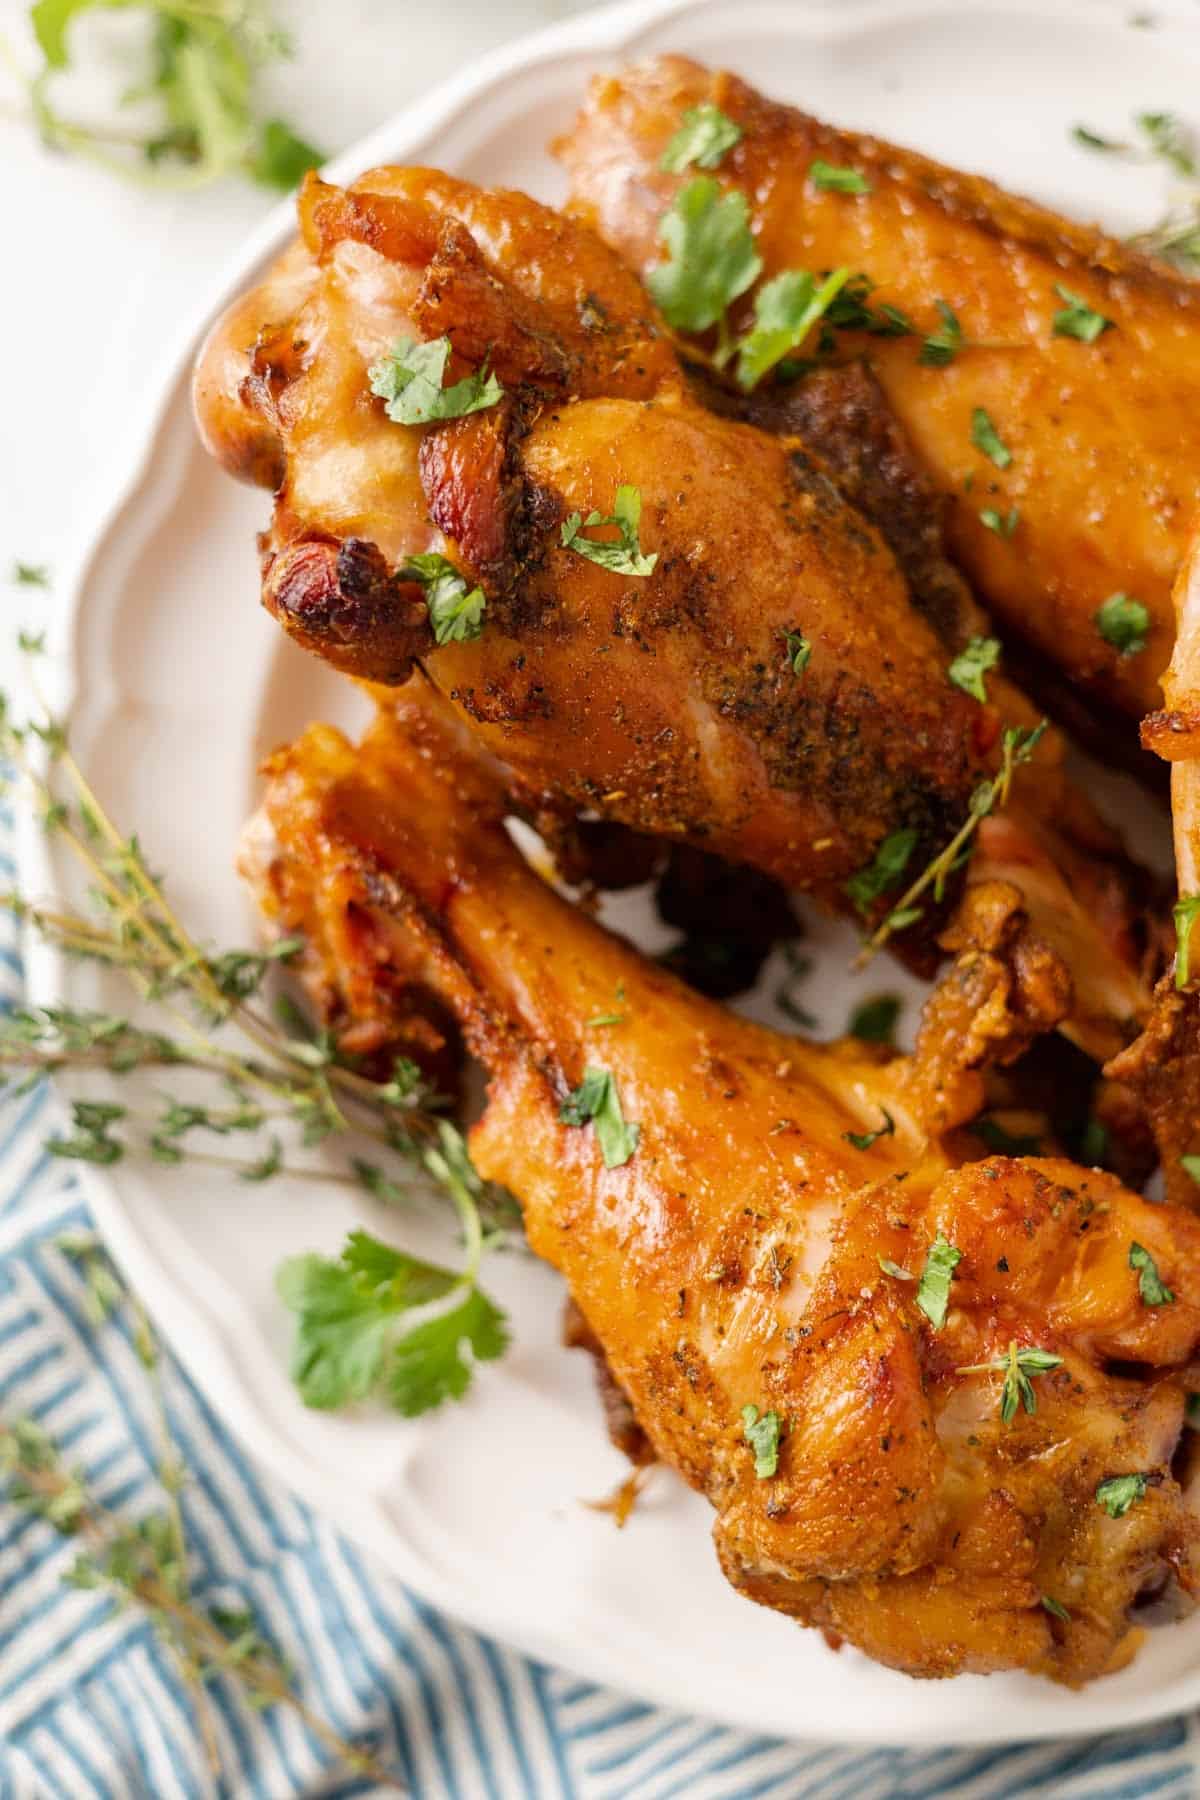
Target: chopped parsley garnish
{"x": 785, "y": 311}
{"x": 1119, "y": 1493}
{"x": 409, "y": 379}
{"x": 830, "y": 180}
{"x": 597, "y": 1101}
{"x": 889, "y": 864}
{"x": 349, "y": 1314}
{"x": 874, "y": 1020}
{"x": 761, "y": 1432}
{"x": 933, "y": 1290}
{"x": 1056, "y": 1609}
{"x": 1191, "y": 1166}
{"x": 1152, "y": 1288}
{"x": 863, "y": 1140}
{"x": 30, "y": 574}
{"x": 1003, "y": 524}
{"x": 972, "y": 664}
{"x": 799, "y": 650}
{"x": 711, "y": 255}
{"x": 852, "y": 311}
{"x": 1123, "y": 622}
{"x": 1018, "y": 1367}
{"x": 943, "y": 345}
{"x": 1077, "y": 319}
{"x": 985, "y": 437}
{"x": 455, "y": 611}
{"x": 1185, "y": 913}
{"x": 623, "y": 555}
{"x": 704, "y": 136}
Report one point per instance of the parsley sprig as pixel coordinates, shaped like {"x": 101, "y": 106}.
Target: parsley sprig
{"x": 623, "y": 554}
{"x": 705, "y": 133}
{"x": 1017, "y": 746}
{"x": 203, "y": 60}
{"x": 273, "y": 1074}
{"x": 409, "y": 382}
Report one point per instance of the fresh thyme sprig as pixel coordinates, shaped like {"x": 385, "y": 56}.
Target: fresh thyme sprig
{"x": 1018, "y": 745}
{"x": 272, "y": 1072}
{"x": 146, "y": 1563}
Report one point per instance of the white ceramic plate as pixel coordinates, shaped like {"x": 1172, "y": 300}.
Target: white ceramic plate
{"x": 180, "y": 684}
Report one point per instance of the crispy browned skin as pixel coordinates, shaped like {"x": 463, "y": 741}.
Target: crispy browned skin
{"x": 734, "y": 1259}
{"x": 1104, "y": 436}
{"x": 666, "y": 703}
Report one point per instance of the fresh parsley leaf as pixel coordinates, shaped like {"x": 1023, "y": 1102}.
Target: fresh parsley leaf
{"x": 283, "y": 158}
{"x": 1185, "y": 913}
{"x": 799, "y": 650}
{"x": 1077, "y": 319}
{"x": 1119, "y": 1493}
{"x": 762, "y": 1432}
{"x": 933, "y": 1291}
{"x": 409, "y": 379}
{"x": 455, "y": 612}
{"x": 1055, "y": 1608}
{"x": 972, "y": 664}
{"x": 874, "y": 1020}
{"x": 943, "y": 345}
{"x": 889, "y": 864}
{"x": 851, "y": 310}
{"x": 1123, "y": 622}
{"x": 30, "y": 574}
{"x": 704, "y": 136}
{"x": 830, "y": 180}
{"x": 349, "y": 1314}
{"x": 1191, "y": 1166}
{"x": 428, "y": 1365}
{"x": 1003, "y": 524}
{"x": 622, "y": 555}
{"x": 785, "y": 311}
{"x": 1151, "y": 1287}
{"x": 863, "y": 1140}
{"x": 985, "y": 437}
{"x": 711, "y": 255}
{"x": 596, "y": 1100}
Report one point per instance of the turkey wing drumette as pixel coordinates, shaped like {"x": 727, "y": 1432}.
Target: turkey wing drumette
{"x": 1101, "y": 433}
{"x": 747, "y": 672}
{"x": 745, "y": 1233}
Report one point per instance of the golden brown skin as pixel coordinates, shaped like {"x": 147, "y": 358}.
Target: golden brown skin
{"x": 1103, "y": 436}
{"x": 667, "y": 703}
{"x": 734, "y": 1259}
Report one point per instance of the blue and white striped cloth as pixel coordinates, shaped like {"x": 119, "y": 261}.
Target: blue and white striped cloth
{"x": 92, "y": 1708}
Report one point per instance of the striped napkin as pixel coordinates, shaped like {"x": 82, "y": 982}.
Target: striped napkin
{"x": 92, "y": 1707}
